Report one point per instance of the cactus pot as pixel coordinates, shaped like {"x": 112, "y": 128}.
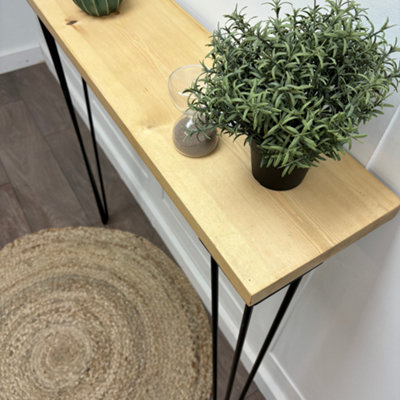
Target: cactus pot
{"x": 271, "y": 177}
{"x": 98, "y": 8}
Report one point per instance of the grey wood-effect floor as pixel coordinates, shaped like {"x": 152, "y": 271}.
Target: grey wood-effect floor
{"x": 43, "y": 182}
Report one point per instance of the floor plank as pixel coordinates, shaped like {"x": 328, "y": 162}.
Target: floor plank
{"x": 68, "y": 155}
{"x": 12, "y": 219}
{"x": 3, "y": 175}
{"x": 125, "y": 213}
{"x": 40, "y": 186}
{"x": 8, "y": 90}
{"x": 16, "y": 124}
{"x": 225, "y": 356}
{"x": 43, "y": 97}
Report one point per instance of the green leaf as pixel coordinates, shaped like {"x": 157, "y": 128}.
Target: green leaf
{"x": 300, "y": 83}
{"x": 291, "y": 130}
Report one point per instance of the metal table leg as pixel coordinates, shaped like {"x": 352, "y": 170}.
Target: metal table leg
{"x": 239, "y": 346}
{"x": 214, "y": 314}
{"x": 274, "y": 327}
{"x": 100, "y": 201}
{"x": 247, "y": 312}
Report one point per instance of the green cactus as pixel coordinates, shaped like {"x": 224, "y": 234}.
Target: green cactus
{"x": 98, "y": 8}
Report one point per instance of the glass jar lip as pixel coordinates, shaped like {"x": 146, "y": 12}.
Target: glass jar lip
{"x": 197, "y": 68}
{"x": 187, "y": 66}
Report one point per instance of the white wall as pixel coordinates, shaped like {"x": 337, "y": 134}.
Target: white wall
{"x": 19, "y": 37}
{"x": 341, "y": 338}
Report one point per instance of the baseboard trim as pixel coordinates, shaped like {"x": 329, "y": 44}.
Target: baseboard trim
{"x": 20, "y": 59}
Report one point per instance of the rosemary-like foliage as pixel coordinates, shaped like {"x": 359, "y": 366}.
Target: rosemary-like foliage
{"x": 299, "y": 85}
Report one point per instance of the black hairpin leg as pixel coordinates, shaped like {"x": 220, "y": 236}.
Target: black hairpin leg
{"x": 239, "y": 346}
{"x": 103, "y": 210}
{"x": 274, "y": 327}
{"x": 214, "y": 314}
{"x": 100, "y": 201}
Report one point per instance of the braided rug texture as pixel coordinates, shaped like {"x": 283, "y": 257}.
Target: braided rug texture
{"x": 93, "y": 313}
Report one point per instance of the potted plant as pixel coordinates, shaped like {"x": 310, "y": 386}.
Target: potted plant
{"x": 298, "y": 85}
{"x": 98, "y": 8}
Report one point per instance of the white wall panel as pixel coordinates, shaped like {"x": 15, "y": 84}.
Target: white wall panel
{"x": 386, "y": 161}
{"x": 341, "y": 341}
{"x": 19, "y": 36}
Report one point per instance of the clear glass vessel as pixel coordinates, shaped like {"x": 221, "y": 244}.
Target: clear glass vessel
{"x": 195, "y": 145}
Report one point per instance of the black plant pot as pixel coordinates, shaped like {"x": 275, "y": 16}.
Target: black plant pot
{"x": 271, "y": 177}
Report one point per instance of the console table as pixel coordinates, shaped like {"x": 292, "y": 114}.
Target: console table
{"x": 261, "y": 239}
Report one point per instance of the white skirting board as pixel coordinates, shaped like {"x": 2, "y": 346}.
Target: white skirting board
{"x": 18, "y": 59}
{"x": 182, "y": 242}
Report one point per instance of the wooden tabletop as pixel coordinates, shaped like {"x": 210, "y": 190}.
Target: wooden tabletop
{"x": 262, "y": 239}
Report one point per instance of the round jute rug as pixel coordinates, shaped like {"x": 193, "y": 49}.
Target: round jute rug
{"x": 93, "y": 313}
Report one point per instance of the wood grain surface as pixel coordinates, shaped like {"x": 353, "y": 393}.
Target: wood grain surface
{"x": 261, "y": 239}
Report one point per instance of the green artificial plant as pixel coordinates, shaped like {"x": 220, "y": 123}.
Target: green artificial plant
{"x": 299, "y": 84}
